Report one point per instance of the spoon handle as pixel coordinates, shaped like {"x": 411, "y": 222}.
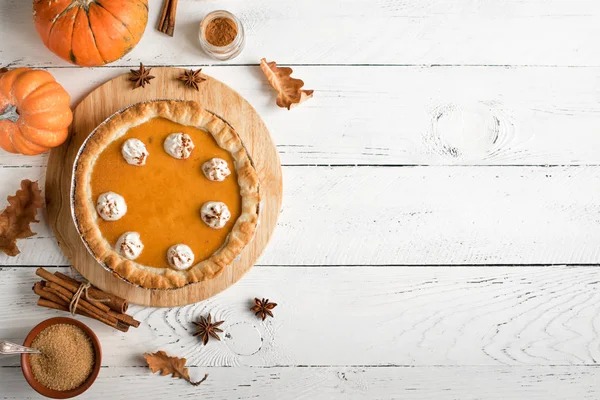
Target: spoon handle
{"x": 12, "y": 348}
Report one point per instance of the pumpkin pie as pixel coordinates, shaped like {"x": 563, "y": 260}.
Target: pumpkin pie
{"x": 165, "y": 194}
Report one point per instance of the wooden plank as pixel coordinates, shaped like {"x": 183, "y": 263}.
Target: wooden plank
{"x": 413, "y": 215}
{"x": 401, "y": 115}
{"x": 425, "y": 383}
{"x": 328, "y": 316}
{"x": 547, "y": 32}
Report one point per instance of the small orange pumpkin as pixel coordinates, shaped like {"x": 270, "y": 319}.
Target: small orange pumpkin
{"x": 34, "y": 111}
{"x": 90, "y": 32}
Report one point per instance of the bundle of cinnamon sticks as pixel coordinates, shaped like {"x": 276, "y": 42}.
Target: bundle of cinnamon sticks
{"x": 57, "y": 291}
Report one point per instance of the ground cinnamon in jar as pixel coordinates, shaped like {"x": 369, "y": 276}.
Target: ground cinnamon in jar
{"x": 67, "y": 358}
{"x": 221, "y": 31}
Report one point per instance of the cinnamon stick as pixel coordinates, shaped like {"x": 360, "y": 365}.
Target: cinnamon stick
{"x": 127, "y": 319}
{"x": 115, "y": 303}
{"x": 43, "y": 302}
{"x": 41, "y": 291}
{"x": 163, "y": 14}
{"x": 42, "y": 273}
{"x": 172, "y": 15}
{"x": 166, "y": 22}
{"x": 51, "y": 304}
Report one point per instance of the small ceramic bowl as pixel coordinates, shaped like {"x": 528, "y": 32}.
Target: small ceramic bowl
{"x": 26, "y": 364}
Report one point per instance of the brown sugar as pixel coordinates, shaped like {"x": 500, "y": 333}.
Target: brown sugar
{"x": 67, "y": 358}
{"x": 221, "y": 31}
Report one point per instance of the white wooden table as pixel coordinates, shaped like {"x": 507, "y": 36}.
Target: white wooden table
{"x": 440, "y": 233}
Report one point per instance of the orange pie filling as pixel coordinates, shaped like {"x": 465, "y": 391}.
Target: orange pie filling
{"x": 165, "y": 195}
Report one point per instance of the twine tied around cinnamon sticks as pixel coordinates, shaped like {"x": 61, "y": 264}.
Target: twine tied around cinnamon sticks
{"x": 61, "y": 292}
{"x": 83, "y": 288}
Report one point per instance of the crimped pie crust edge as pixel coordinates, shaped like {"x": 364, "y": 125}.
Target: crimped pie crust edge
{"x": 185, "y": 113}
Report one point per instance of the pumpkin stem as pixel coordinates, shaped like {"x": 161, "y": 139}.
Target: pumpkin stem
{"x": 85, "y": 3}
{"x": 9, "y": 113}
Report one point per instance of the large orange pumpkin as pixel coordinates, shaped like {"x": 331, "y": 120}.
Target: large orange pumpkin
{"x": 34, "y": 111}
{"x": 90, "y": 32}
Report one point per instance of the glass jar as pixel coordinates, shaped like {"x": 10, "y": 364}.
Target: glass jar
{"x": 222, "y": 52}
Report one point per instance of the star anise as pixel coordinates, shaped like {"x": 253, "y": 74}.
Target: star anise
{"x": 207, "y": 329}
{"x": 191, "y": 78}
{"x": 263, "y": 308}
{"x": 141, "y": 77}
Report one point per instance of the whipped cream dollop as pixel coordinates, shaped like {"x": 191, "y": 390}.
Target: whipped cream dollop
{"x": 129, "y": 245}
{"x": 180, "y": 256}
{"x": 179, "y": 145}
{"x": 111, "y": 206}
{"x": 215, "y": 214}
{"x": 216, "y": 169}
{"x": 134, "y": 152}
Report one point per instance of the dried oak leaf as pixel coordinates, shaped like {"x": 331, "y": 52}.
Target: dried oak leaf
{"x": 289, "y": 93}
{"x": 15, "y": 219}
{"x": 170, "y": 365}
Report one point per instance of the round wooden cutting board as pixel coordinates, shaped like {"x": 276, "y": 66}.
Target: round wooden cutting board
{"x": 117, "y": 94}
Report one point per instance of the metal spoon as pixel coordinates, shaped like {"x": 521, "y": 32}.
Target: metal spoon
{"x": 12, "y": 348}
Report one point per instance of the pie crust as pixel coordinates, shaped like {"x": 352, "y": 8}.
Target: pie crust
{"x": 187, "y": 113}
